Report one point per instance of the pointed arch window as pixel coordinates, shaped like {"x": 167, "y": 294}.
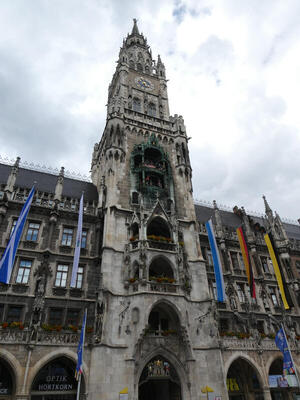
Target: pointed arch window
{"x": 139, "y": 67}
{"x": 152, "y": 110}
{"x": 136, "y": 104}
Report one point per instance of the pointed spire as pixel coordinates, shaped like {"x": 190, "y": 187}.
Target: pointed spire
{"x": 135, "y": 29}
{"x": 267, "y": 207}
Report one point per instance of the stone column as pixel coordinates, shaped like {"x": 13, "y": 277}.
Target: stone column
{"x": 267, "y": 393}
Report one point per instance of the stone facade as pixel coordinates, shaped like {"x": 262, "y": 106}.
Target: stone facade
{"x": 146, "y": 275}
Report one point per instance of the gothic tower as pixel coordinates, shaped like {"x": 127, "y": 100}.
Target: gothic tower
{"x": 155, "y": 316}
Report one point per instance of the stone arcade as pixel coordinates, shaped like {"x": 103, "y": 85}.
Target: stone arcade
{"x": 145, "y": 274}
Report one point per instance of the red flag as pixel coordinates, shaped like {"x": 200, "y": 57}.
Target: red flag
{"x": 247, "y": 263}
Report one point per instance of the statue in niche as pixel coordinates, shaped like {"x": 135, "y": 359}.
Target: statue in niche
{"x": 100, "y": 308}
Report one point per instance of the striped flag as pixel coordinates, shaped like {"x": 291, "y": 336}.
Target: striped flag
{"x": 78, "y": 244}
{"x": 285, "y": 295}
{"x": 247, "y": 262}
{"x": 8, "y": 258}
{"x": 79, "y": 366}
{"x": 217, "y": 262}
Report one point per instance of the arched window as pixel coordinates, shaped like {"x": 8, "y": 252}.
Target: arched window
{"x": 243, "y": 379}
{"x": 147, "y": 69}
{"x": 159, "y": 376}
{"x": 163, "y": 320}
{"x": 7, "y": 380}
{"x": 136, "y": 104}
{"x": 161, "y": 271}
{"x": 139, "y": 67}
{"x": 65, "y": 384}
{"x": 158, "y": 227}
{"x": 131, "y": 63}
{"x": 152, "y": 110}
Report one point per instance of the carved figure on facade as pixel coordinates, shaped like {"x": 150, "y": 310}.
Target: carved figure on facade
{"x": 100, "y": 310}
{"x": 124, "y": 308}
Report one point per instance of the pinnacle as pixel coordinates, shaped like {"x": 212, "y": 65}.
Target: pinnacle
{"x": 135, "y": 29}
{"x": 267, "y": 207}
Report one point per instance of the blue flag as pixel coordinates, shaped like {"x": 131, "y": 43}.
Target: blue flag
{"x": 8, "y": 258}
{"x": 281, "y": 343}
{"x": 217, "y": 262}
{"x": 79, "y": 366}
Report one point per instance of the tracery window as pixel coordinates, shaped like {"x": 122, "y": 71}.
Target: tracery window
{"x": 136, "y": 104}
{"x": 152, "y": 109}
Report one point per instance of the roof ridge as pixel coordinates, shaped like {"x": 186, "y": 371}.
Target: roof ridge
{"x": 46, "y": 169}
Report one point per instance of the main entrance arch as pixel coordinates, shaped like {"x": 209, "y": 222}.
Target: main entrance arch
{"x": 56, "y": 381}
{"x": 7, "y": 381}
{"x": 159, "y": 381}
{"x": 243, "y": 381}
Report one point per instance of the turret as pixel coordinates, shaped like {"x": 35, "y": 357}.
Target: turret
{"x": 12, "y": 177}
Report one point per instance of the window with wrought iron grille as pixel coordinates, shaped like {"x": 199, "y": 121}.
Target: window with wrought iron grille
{"x": 67, "y": 237}
{"x": 24, "y": 271}
{"x": 79, "y": 278}
{"x": 33, "y": 231}
{"x": 61, "y": 275}
{"x": 83, "y": 239}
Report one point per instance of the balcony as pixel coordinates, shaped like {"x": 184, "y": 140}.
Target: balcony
{"x": 41, "y": 336}
{"x": 154, "y": 244}
{"x": 153, "y": 286}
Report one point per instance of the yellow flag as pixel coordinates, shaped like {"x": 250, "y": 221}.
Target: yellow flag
{"x": 277, "y": 271}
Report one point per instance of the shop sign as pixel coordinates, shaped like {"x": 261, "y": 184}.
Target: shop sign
{"x": 232, "y": 385}
{"x": 55, "y": 382}
{"x": 3, "y": 389}
{"x": 282, "y": 381}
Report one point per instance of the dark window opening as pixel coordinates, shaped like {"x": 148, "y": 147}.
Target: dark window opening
{"x": 55, "y": 316}
{"x": 158, "y": 227}
{"x": 160, "y": 268}
{"x": 14, "y": 314}
{"x": 163, "y": 320}
{"x": 135, "y": 198}
{"x": 72, "y": 317}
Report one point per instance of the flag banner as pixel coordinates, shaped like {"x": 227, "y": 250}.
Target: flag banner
{"x": 247, "y": 262}
{"x": 77, "y": 245}
{"x": 217, "y": 262}
{"x": 287, "y": 302}
{"x": 282, "y": 344}
{"x": 8, "y": 258}
{"x": 79, "y": 366}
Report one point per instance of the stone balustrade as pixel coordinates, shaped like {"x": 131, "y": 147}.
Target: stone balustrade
{"x": 42, "y": 337}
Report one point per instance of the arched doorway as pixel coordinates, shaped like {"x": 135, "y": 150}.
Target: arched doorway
{"x": 159, "y": 381}
{"x": 56, "y": 381}
{"x": 243, "y": 382}
{"x": 280, "y": 384}
{"x": 7, "y": 381}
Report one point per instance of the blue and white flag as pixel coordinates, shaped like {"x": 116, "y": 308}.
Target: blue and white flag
{"x": 8, "y": 257}
{"x": 79, "y": 366}
{"x": 77, "y": 245}
{"x": 282, "y": 344}
{"x": 217, "y": 262}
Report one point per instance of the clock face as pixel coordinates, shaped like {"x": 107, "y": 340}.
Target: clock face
{"x": 144, "y": 83}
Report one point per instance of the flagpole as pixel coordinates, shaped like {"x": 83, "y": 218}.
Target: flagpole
{"x": 79, "y": 381}
{"x": 291, "y": 356}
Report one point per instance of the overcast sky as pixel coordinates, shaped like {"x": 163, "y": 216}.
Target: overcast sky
{"x": 234, "y": 75}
